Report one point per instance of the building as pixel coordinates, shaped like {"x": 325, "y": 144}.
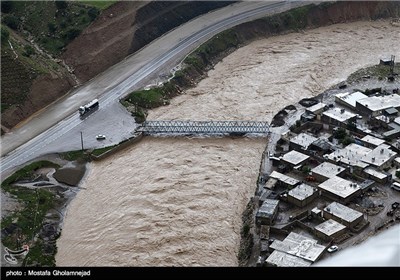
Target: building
{"x": 342, "y": 214}
{"x": 393, "y": 132}
{"x": 301, "y": 142}
{"x": 267, "y": 212}
{"x": 375, "y": 105}
{"x": 377, "y": 175}
{"x": 284, "y": 180}
{"x": 391, "y": 113}
{"x": 339, "y": 189}
{"x": 338, "y": 117}
{"x": 371, "y": 141}
{"x": 349, "y": 98}
{"x": 321, "y": 145}
{"x": 329, "y": 230}
{"x": 350, "y": 155}
{"x": 381, "y": 157}
{"x": 397, "y": 162}
{"x": 316, "y": 110}
{"x": 294, "y": 158}
{"x": 270, "y": 184}
{"x": 327, "y": 170}
{"x": 302, "y": 195}
{"x": 282, "y": 259}
{"x": 299, "y": 245}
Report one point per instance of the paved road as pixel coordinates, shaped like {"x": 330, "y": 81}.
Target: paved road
{"x": 30, "y": 139}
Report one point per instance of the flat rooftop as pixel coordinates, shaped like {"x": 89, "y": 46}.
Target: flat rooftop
{"x": 350, "y": 155}
{"x": 300, "y": 246}
{"x": 375, "y": 173}
{"x": 380, "y": 155}
{"x": 330, "y": 227}
{"x": 327, "y": 169}
{"x": 343, "y": 212}
{"x": 270, "y": 184}
{"x": 339, "y": 186}
{"x": 294, "y": 157}
{"x": 303, "y": 139}
{"x": 350, "y": 98}
{"x": 377, "y": 103}
{"x": 372, "y": 140}
{"x": 283, "y": 178}
{"x": 301, "y": 192}
{"x": 282, "y": 259}
{"x": 338, "y": 114}
{"x": 267, "y": 209}
{"x": 316, "y": 107}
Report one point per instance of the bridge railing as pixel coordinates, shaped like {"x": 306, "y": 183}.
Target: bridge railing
{"x": 203, "y": 127}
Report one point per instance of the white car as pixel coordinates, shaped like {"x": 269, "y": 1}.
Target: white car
{"x": 333, "y": 248}
{"x": 100, "y": 137}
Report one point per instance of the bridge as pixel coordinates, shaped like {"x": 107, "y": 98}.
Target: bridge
{"x": 203, "y": 127}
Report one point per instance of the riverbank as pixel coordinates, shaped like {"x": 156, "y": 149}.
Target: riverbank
{"x": 134, "y": 228}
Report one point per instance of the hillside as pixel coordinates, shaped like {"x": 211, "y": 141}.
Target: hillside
{"x": 34, "y": 34}
{"x": 62, "y": 44}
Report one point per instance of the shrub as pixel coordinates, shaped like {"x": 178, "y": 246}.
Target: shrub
{"x": 28, "y": 50}
{"x": 61, "y": 5}
{"x": 52, "y": 27}
{"x": 72, "y": 33}
{"x": 93, "y": 13}
{"x": 11, "y": 21}
{"x": 4, "y": 34}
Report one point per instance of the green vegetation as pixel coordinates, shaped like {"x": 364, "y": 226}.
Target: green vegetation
{"x": 147, "y": 98}
{"x": 297, "y": 18}
{"x": 26, "y": 173}
{"x": 52, "y": 23}
{"x": 101, "y": 151}
{"x": 85, "y": 155}
{"x": 24, "y": 225}
{"x": 74, "y": 155}
{"x": 398, "y": 173}
{"x": 246, "y": 240}
{"x": 5, "y": 34}
{"x": 343, "y": 137}
{"x": 377, "y": 71}
{"x": 340, "y": 133}
{"x": 98, "y": 4}
{"x": 306, "y": 169}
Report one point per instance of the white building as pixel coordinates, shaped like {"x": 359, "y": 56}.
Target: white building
{"x": 342, "y": 214}
{"x": 300, "y": 246}
{"x": 349, "y": 98}
{"x": 340, "y": 189}
{"x": 327, "y": 170}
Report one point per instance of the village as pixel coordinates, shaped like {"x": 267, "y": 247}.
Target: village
{"x": 335, "y": 176}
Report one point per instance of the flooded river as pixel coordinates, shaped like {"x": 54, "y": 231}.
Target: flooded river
{"x": 178, "y": 202}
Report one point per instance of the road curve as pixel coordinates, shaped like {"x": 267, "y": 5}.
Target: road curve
{"x": 28, "y": 140}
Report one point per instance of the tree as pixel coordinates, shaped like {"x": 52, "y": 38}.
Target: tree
{"x": 340, "y": 133}
{"x": 28, "y": 50}
{"x": 11, "y": 21}
{"x": 52, "y": 27}
{"x": 7, "y": 6}
{"x": 4, "y": 35}
{"x": 72, "y": 33}
{"x": 61, "y": 5}
{"x": 93, "y": 13}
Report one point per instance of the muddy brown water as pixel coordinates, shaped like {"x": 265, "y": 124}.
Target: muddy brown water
{"x": 178, "y": 202}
